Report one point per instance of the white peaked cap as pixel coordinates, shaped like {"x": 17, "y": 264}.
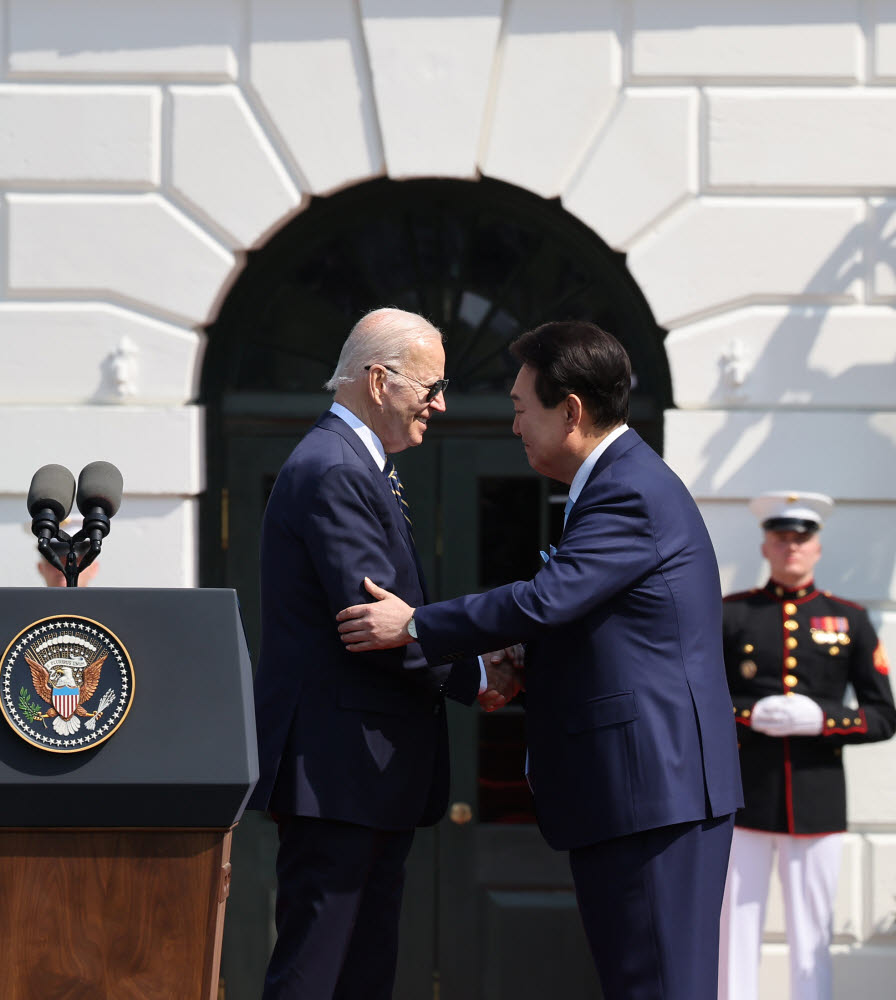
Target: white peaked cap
{"x": 789, "y": 510}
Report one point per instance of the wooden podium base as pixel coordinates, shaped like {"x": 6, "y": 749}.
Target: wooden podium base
{"x": 112, "y": 914}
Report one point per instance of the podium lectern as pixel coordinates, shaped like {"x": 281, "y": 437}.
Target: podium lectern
{"x": 127, "y": 753}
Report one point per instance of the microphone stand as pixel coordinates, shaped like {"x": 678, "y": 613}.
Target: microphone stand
{"x": 71, "y": 554}
{"x": 89, "y": 538}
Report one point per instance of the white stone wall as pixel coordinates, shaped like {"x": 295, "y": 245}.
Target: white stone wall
{"x": 740, "y": 153}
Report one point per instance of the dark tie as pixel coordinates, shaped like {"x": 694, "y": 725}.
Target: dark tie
{"x": 391, "y": 473}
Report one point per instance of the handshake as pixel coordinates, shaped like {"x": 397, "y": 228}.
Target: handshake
{"x": 504, "y": 675}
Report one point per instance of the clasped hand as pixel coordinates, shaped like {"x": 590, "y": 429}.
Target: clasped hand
{"x": 384, "y": 625}
{"x": 504, "y": 673}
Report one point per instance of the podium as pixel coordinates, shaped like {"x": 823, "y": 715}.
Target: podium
{"x": 127, "y": 753}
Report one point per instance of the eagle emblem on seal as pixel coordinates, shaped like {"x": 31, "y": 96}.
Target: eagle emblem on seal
{"x": 66, "y": 683}
{"x": 66, "y": 672}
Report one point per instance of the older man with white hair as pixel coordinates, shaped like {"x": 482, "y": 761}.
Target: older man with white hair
{"x": 353, "y": 750}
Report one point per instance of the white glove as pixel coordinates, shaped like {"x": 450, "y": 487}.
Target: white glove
{"x": 787, "y": 715}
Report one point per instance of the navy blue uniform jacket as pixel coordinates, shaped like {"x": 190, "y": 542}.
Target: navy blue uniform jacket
{"x": 628, "y": 717}
{"x": 815, "y": 644}
{"x": 358, "y": 737}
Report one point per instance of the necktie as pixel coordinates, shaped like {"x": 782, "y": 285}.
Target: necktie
{"x": 391, "y": 473}
{"x": 567, "y": 509}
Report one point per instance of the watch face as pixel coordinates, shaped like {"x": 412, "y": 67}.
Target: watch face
{"x": 412, "y": 629}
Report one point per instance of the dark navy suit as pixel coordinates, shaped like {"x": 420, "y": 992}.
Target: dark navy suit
{"x": 632, "y": 749}
{"x": 353, "y": 748}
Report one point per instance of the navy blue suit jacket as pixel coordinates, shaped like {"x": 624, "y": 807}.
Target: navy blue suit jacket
{"x": 358, "y": 737}
{"x": 628, "y": 716}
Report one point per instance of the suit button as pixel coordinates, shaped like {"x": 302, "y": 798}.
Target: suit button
{"x": 790, "y": 662}
{"x": 791, "y": 681}
{"x": 789, "y": 609}
{"x": 791, "y": 625}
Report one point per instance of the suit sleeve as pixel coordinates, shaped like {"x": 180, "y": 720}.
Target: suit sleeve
{"x": 875, "y": 717}
{"x": 607, "y": 546}
{"x": 348, "y": 539}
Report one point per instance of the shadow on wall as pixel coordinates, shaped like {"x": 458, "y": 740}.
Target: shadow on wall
{"x": 828, "y": 432}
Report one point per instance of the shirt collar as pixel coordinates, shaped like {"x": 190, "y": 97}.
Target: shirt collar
{"x": 371, "y": 442}
{"x": 584, "y": 471}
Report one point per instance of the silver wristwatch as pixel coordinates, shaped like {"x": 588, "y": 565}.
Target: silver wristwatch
{"x": 412, "y": 628}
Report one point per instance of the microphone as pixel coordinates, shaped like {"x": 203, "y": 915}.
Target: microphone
{"x": 99, "y": 497}
{"x": 50, "y": 499}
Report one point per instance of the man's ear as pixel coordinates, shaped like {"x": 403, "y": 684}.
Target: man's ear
{"x": 574, "y": 411}
{"x": 376, "y": 379}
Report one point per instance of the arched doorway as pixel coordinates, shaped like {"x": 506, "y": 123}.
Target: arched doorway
{"x": 489, "y": 909}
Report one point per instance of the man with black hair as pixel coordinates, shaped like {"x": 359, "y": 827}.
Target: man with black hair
{"x": 632, "y": 751}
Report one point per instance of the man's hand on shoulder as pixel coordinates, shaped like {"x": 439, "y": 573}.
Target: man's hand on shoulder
{"x": 381, "y": 625}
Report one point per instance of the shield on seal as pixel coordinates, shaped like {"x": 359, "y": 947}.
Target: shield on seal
{"x": 65, "y": 701}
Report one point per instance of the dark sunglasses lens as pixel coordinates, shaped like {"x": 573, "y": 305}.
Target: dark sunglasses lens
{"x": 436, "y": 388}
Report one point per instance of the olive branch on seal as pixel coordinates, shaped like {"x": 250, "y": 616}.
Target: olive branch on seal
{"x": 29, "y": 708}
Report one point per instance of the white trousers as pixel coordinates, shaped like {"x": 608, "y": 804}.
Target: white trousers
{"x": 808, "y": 868}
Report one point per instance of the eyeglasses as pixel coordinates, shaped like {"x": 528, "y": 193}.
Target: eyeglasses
{"x": 440, "y": 385}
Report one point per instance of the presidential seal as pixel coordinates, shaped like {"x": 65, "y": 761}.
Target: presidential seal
{"x": 66, "y": 683}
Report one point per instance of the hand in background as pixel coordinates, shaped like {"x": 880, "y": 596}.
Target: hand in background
{"x": 787, "y": 715}
{"x": 504, "y": 674}
{"x": 381, "y": 625}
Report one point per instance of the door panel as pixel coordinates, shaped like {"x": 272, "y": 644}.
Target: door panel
{"x": 253, "y": 463}
{"x": 508, "y": 921}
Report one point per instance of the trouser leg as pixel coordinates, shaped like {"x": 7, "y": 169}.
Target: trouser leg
{"x": 368, "y": 971}
{"x": 743, "y": 914}
{"x": 650, "y": 903}
{"x": 809, "y": 868}
{"x": 323, "y": 869}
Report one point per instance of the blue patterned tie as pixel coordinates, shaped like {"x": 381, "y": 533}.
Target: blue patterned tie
{"x": 567, "y": 509}
{"x": 391, "y": 473}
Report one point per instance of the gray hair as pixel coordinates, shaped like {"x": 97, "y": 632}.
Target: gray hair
{"x": 381, "y": 337}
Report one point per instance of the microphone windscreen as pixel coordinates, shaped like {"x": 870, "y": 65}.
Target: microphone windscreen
{"x": 100, "y": 485}
{"x": 52, "y": 486}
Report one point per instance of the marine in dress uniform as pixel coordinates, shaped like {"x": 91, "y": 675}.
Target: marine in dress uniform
{"x": 791, "y": 650}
